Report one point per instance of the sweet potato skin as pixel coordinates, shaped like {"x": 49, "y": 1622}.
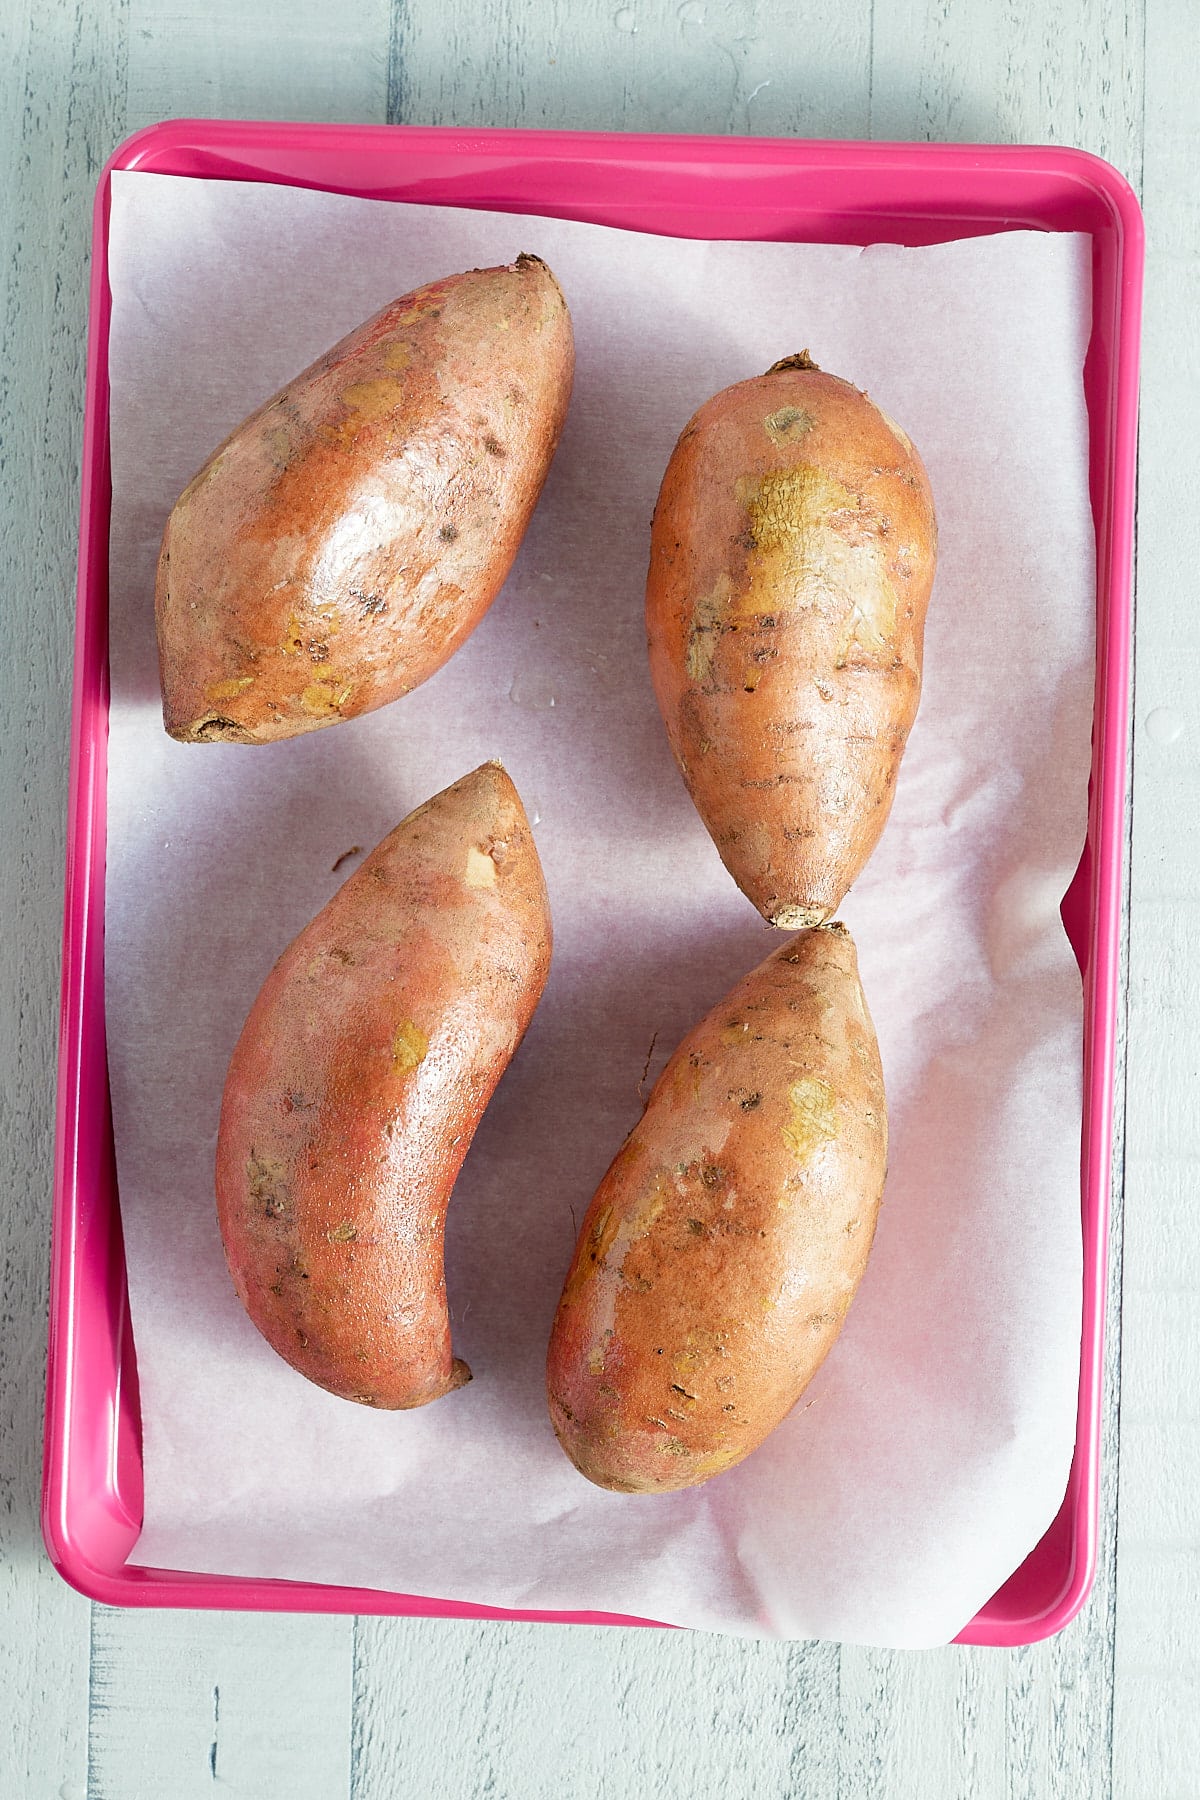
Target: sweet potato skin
{"x": 722, "y": 1249}
{"x": 356, "y": 1086}
{"x": 344, "y": 540}
{"x": 792, "y": 556}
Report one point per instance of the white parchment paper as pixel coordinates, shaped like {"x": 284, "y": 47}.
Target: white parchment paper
{"x": 933, "y": 1448}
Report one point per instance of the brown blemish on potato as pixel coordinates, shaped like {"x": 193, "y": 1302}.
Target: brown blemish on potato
{"x": 267, "y": 1181}
{"x": 343, "y": 1234}
{"x": 746, "y": 1098}
{"x": 370, "y": 606}
{"x": 708, "y": 616}
{"x": 278, "y": 443}
{"x": 798, "y": 918}
{"x": 787, "y": 424}
{"x": 216, "y": 728}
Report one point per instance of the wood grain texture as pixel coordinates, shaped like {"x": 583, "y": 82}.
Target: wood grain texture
{"x": 267, "y": 59}
{"x": 747, "y": 66}
{"x": 61, "y": 102}
{"x": 1059, "y": 72}
{"x": 184, "y": 1705}
{"x": 560, "y": 1712}
{"x": 1156, "y": 1698}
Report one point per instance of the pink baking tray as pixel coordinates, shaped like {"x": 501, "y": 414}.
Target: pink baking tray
{"x": 693, "y": 187}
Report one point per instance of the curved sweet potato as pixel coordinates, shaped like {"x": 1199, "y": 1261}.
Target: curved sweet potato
{"x": 343, "y": 542}
{"x": 723, "y": 1247}
{"x": 356, "y": 1086}
{"x": 791, "y": 560}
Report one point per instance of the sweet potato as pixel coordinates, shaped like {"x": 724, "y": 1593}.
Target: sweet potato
{"x": 792, "y": 556}
{"x": 343, "y": 542}
{"x": 723, "y": 1247}
{"x": 356, "y": 1086}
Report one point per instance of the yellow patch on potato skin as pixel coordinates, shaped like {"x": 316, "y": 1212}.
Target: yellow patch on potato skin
{"x": 373, "y": 399}
{"x": 410, "y": 1047}
{"x": 795, "y": 546}
{"x": 229, "y": 690}
{"x": 861, "y": 570}
{"x": 784, "y": 505}
{"x": 481, "y": 870}
{"x": 813, "y": 1120}
{"x": 327, "y": 695}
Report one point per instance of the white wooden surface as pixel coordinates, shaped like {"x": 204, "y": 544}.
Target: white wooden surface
{"x": 118, "y": 1706}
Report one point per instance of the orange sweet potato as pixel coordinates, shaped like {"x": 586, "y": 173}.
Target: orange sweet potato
{"x": 792, "y": 556}
{"x": 356, "y": 1086}
{"x": 343, "y": 542}
{"x": 723, "y": 1247}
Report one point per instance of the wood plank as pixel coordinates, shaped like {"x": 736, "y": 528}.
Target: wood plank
{"x": 559, "y": 1711}
{"x": 600, "y": 65}
{"x": 275, "y": 59}
{"x": 61, "y": 102}
{"x": 183, "y": 1704}
{"x": 1059, "y": 72}
{"x": 1156, "y": 1709}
